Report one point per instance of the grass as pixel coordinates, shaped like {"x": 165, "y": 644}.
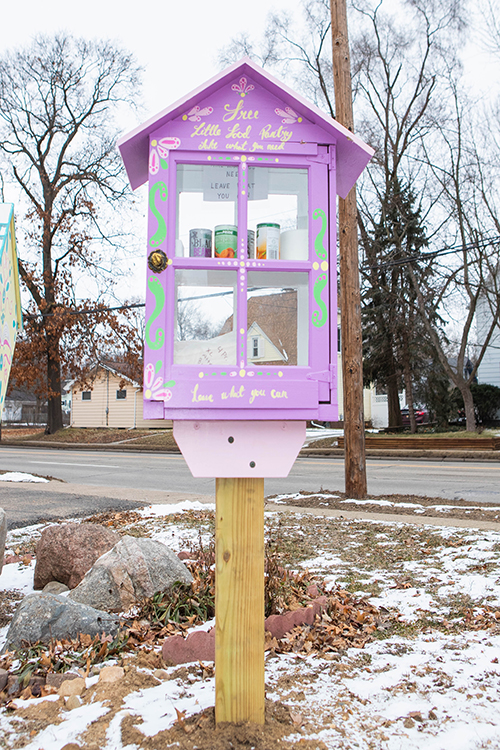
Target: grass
{"x": 158, "y": 439}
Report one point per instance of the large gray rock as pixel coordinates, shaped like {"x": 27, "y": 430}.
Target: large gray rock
{"x": 3, "y": 534}
{"x": 42, "y": 617}
{"x": 134, "y": 569}
{"x": 65, "y": 552}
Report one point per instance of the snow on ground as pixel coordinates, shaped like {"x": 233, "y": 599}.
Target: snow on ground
{"x": 19, "y": 476}
{"x": 320, "y": 433}
{"x": 420, "y": 687}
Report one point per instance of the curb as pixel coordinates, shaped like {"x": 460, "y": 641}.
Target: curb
{"x": 338, "y": 453}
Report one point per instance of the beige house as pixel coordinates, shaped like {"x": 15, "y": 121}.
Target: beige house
{"x": 114, "y": 400}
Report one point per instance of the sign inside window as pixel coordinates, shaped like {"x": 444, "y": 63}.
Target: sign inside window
{"x": 220, "y": 183}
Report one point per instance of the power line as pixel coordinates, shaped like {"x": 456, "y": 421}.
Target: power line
{"x": 429, "y": 256}
{"x": 70, "y": 311}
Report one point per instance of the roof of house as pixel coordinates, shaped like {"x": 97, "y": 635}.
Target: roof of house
{"x": 118, "y": 373}
{"x": 352, "y": 153}
{"x": 276, "y": 315}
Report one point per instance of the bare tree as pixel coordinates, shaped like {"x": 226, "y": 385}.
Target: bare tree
{"x": 297, "y": 50}
{"x": 468, "y": 276}
{"x": 398, "y": 67}
{"x": 57, "y": 100}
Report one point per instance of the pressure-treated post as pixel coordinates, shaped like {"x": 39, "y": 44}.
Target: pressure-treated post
{"x": 239, "y": 600}
{"x": 350, "y": 298}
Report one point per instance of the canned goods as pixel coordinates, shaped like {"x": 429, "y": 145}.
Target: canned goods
{"x": 268, "y": 241}
{"x": 200, "y": 243}
{"x": 226, "y": 241}
{"x": 250, "y": 244}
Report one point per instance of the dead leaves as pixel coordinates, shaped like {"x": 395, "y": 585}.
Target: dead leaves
{"x": 487, "y": 618}
{"x": 345, "y": 623}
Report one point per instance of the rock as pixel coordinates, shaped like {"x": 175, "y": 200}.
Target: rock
{"x": 46, "y": 617}
{"x": 198, "y": 646}
{"x": 4, "y": 676}
{"x": 134, "y": 569}
{"x": 72, "y": 687}
{"x": 54, "y": 587}
{"x": 3, "y": 534}
{"x": 14, "y": 686}
{"x": 111, "y": 674}
{"x": 65, "y": 552}
{"x": 74, "y": 701}
{"x": 56, "y": 679}
{"x": 161, "y": 674}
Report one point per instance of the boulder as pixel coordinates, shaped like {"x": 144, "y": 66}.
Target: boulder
{"x": 46, "y": 617}
{"x": 134, "y": 569}
{"x": 3, "y": 534}
{"x": 65, "y": 552}
{"x": 54, "y": 587}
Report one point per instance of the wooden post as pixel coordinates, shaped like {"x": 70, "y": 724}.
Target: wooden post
{"x": 350, "y": 299}
{"x": 239, "y": 600}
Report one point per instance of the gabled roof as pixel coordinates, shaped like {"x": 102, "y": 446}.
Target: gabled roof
{"x": 352, "y": 153}
{"x": 280, "y": 327}
{"x": 102, "y": 366}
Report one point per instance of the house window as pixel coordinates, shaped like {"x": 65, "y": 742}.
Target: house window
{"x": 121, "y": 394}
{"x": 255, "y": 346}
{"x": 86, "y": 395}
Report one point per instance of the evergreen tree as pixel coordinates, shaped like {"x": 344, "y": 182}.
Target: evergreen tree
{"x": 394, "y": 345}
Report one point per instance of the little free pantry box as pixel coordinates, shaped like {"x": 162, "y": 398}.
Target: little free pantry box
{"x": 241, "y": 301}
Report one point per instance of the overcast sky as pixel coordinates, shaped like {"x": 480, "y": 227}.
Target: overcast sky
{"x": 176, "y": 42}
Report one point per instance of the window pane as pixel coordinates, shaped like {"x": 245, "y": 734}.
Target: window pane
{"x": 86, "y": 395}
{"x": 205, "y": 309}
{"x": 278, "y": 319}
{"x": 121, "y": 394}
{"x": 278, "y": 202}
{"x": 206, "y": 200}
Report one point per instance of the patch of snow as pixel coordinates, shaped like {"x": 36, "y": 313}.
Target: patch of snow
{"x": 170, "y": 509}
{"x": 19, "y": 476}
{"x": 55, "y": 736}
{"x": 18, "y": 576}
{"x": 157, "y": 706}
{"x": 321, "y": 433}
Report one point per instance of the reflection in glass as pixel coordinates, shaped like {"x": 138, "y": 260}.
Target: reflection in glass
{"x": 204, "y": 310}
{"x": 277, "y": 319}
{"x": 206, "y": 198}
{"x": 278, "y": 211}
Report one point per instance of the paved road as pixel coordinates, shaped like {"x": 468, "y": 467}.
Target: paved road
{"x": 476, "y": 481}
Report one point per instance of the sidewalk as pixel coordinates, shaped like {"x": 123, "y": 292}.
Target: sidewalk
{"x": 54, "y": 501}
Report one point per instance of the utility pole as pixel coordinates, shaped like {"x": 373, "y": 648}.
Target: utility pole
{"x": 350, "y": 298}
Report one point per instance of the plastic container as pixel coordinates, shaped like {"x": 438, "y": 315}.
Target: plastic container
{"x": 294, "y": 244}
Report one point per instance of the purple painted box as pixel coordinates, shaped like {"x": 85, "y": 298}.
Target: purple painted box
{"x": 231, "y": 337}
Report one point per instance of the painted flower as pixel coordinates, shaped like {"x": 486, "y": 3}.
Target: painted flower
{"x": 242, "y": 88}
{"x": 196, "y": 113}
{"x": 155, "y": 389}
{"x": 159, "y": 150}
{"x": 288, "y": 115}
